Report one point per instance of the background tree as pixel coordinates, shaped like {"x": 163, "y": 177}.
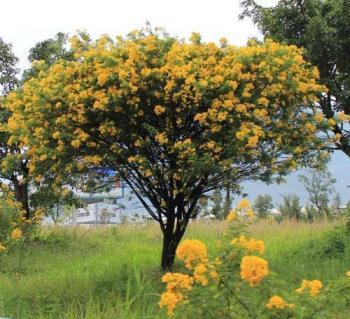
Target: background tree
{"x": 13, "y": 163}
{"x": 216, "y": 199}
{"x": 319, "y": 184}
{"x": 263, "y": 205}
{"x": 337, "y": 202}
{"x": 13, "y": 156}
{"x": 291, "y": 208}
{"x": 322, "y": 27}
{"x": 176, "y": 120}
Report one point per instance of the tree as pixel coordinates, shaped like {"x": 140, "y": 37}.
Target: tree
{"x": 263, "y": 205}
{"x": 8, "y": 69}
{"x": 176, "y": 120}
{"x": 13, "y": 156}
{"x": 216, "y": 199}
{"x": 290, "y": 208}
{"x": 13, "y": 163}
{"x": 319, "y": 184}
{"x": 322, "y": 27}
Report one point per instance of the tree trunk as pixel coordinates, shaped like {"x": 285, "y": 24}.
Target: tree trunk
{"x": 21, "y": 195}
{"x": 170, "y": 242}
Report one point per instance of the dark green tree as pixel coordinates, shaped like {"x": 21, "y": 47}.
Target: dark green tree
{"x": 322, "y": 27}
{"x": 49, "y": 51}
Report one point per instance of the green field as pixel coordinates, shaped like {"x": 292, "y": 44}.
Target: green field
{"x": 114, "y": 272}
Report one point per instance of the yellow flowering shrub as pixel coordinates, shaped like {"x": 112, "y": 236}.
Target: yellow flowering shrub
{"x": 14, "y": 225}
{"x": 192, "y": 252}
{"x": 237, "y": 283}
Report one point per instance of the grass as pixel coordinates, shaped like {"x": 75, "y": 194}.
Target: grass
{"x": 105, "y": 273}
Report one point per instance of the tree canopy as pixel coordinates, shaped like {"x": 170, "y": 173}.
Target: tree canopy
{"x": 175, "y": 119}
{"x": 322, "y": 27}
{"x": 13, "y": 154}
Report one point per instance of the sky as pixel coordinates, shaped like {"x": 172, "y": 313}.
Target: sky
{"x": 25, "y": 22}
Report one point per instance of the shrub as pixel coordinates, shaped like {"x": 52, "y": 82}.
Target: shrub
{"x": 239, "y": 284}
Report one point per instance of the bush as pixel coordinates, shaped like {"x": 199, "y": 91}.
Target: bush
{"x": 239, "y": 284}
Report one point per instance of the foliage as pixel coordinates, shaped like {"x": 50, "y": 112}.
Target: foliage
{"x": 8, "y": 70}
{"x": 319, "y": 184}
{"x": 50, "y": 51}
{"x": 239, "y": 283}
{"x": 174, "y": 119}
{"x": 263, "y": 205}
{"x": 331, "y": 245}
{"x": 322, "y": 28}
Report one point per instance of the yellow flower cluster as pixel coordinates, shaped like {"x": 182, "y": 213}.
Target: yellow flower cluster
{"x": 243, "y": 204}
{"x": 199, "y": 274}
{"x": 176, "y": 283}
{"x": 250, "y": 245}
{"x": 159, "y": 109}
{"x": 245, "y": 207}
{"x": 192, "y": 252}
{"x": 277, "y": 302}
{"x": 16, "y": 234}
{"x": 232, "y": 216}
{"x": 254, "y": 269}
{"x": 314, "y": 286}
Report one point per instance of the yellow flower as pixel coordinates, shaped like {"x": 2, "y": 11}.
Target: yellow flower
{"x": 75, "y": 143}
{"x": 199, "y": 274}
{"x": 231, "y": 216}
{"x": 161, "y": 138}
{"x": 243, "y": 204}
{"x": 16, "y": 234}
{"x": 276, "y": 302}
{"x": 159, "y": 110}
{"x": 250, "y": 245}
{"x": 313, "y": 285}
{"x": 254, "y": 269}
{"x": 319, "y": 117}
{"x": 192, "y": 252}
{"x": 348, "y": 274}
{"x": 177, "y": 281}
{"x": 253, "y": 141}
{"x": 331, "y": 122}
{"x": 176, "y": 284}
{"x": 170, "y": 299}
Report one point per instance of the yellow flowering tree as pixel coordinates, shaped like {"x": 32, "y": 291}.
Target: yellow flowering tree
{"x": 175, "y": 119}
{"x": 14, "y": 159}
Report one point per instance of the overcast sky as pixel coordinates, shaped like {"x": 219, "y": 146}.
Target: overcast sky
{"x": 25, "y": 22}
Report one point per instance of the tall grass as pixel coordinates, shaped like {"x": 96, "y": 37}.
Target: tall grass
{"x": 113, "y": 272}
